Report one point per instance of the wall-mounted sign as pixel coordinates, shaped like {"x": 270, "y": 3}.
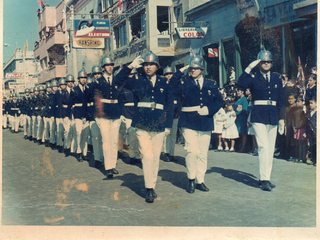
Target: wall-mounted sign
{"x": 16, "y": 75}
{"x": 93, "y": 28}
{"x": 191, "y": 32}
{"x": 88, "y": 42}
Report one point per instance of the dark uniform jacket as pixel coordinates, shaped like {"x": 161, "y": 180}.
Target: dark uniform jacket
{"x": 109, "y": 93}
{"x": 191, "y": 96}
{"x": 158, "y": 96}
{"x": 64, "y": 103}
{"x": 79, "y": 102}
{"x": 15, "y": 108}
{"x": 90, "y": 94}
{"x": 262, "y": 89}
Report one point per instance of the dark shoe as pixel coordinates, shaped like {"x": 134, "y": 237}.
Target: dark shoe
{"x": 202, "y": 187}
{"x": 265, "y": 186}
{"x": 47, "y": 144}
{"x": 67, "y": 152}
{"x": 154, "y": 194}
{"x": 60, "y": 149}
{"x": 134, "y": 161}
{"x": 166, "y": 157}
{"x": 109, "y": 173}
{"x": 271, "y": 184}
{"x": 114, "y": 171}
{"x": 149, "y": 195}
{"x": 25, "y": 137}
{"x": 79, "y": 157}
{"x": 84, "y": 158}
{"x": 97, "y": 164}
{"x": 191, "y": 186}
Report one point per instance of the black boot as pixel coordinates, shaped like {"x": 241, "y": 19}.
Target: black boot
{"x": 79, "y": 157}
{"x": 150, "y": 195}
{"x": 191, "y": 186}
{"x": 67, "y": 152}
{"x": 109, "y": 174}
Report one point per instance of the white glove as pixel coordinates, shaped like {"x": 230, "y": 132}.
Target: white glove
{"x": 183, "y": 69}
{"x": 136, "y": 63}
{"x": 167, "y": 132}
{"x": 281, "y": 127}
{"x": 128, "y": 123}
{"x": 204, "y": 111}
{"x": 122, "y": 119}
{"x": 252, "y": 66}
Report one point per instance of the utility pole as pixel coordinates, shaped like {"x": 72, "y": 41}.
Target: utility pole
{"x": 73, "y": 50}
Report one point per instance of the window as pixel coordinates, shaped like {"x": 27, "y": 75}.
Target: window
{"x": 163, "y": 20}
{"x": 138, "y": 26}
{"x": 120, "y": 35}
{"x": 178, "y": 15}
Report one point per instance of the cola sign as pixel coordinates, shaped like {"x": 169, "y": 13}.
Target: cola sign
{"x": 192, "y": 32}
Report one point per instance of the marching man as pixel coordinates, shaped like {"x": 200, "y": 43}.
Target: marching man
{"x": 267, "y": 111}
{"x": 201, "y": 99}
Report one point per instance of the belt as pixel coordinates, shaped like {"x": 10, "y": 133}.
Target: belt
{"x": 36, "y": 108}
{"x": 175, "y": 102}
{"x": 130, "y": 104}
{"x": 65, "y": 106}
{"x": 90, "y": 104}
{"x": 112, "y": 101}
{"x": 15, "y": 108}
{"x": 49, "y": 107}
{"x": 78, "y": 105}
{"x": 190, "y": 109}
{"x": 265, "y": 102}
{"x": 151, "y": 105}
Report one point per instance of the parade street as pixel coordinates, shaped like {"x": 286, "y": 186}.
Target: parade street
{"x": 42, "y": 187}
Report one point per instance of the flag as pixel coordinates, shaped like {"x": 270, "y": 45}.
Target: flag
{"x": 237, "y": 57}
{"x": 41, "y": 3}
{"x": 222, "y": 65}
{"x": 213, "y": 52}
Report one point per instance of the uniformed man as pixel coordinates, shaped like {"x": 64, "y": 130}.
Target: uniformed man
{"x": 67, "y": 118}
{"x": 108, "y": 113}
{"x": 4, "y": 112}
{"x": 61, "y": 113}
{"x": 30, "y": 114}
{"x": 267, "y": 111}
{"x": 40, "y": 104}
{"x": 170, "y": 140}
{"x": 79, "y": 114}
{"x": 15, "y": 114}
{"x": 26, "y": 111}
{"x": 35, "y": 112}
{"x": 53, "y": 110}
{"x": 153, "y": 97}
{"x": 95, "y": 134}
{"x": 46, "y": 115}
{"x": 200, "y": 100}
{"x": 311, "y": 91}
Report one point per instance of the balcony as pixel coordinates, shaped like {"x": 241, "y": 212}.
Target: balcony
{"x": 47, "y": 18}
{"x": 57, "y": 71}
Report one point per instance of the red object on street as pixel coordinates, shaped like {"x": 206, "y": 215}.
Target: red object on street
{"x": 213, "y": 52}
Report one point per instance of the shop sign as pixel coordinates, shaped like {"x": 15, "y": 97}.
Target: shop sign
{"x": 88, "y": 42}
{"x": 93, "y": 28}
{"x": 192, "y": 32}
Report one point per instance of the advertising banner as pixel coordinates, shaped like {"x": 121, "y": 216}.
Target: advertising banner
{"x": 191, "y": 32}
{"x": 92, "y": 28}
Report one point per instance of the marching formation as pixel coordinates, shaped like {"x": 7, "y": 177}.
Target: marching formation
{"x": 145, "y": 110}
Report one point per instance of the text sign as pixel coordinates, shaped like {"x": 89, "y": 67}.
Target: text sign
{"x": 191, "y": 32}
{"x": 93, "y": 28}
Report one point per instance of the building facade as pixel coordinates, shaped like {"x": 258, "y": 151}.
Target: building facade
{"x": 21, "y": 71}
{"x": 50, "y": 48}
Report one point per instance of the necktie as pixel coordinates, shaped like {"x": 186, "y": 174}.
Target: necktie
{"x": 108, "y": 78}
{"x": 198, "y": 84}
{"x": 267, "y": 78}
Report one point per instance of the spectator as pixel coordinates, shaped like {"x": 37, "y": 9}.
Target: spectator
{"x": 288, "y": 143}
{"x": 311, "y": 91}
{"x": 241, "y": 109}
{"x": 219, "y": 119}
{"x": 312, "y": 129}
{"x": 230, "y": 131}
{"x": 251, "y": 135}
{"x": 298, "y": 123}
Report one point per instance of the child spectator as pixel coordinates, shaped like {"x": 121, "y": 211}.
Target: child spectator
{"x": 219, "y": 119}
{"x": 229, "y": 131}
{"x": 288, "y": 141}
{"x": 298, "y": 123}
{"x": 312, "y": 129}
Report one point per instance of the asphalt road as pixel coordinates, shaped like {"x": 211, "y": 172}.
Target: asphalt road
{"x": 42, "y": 187}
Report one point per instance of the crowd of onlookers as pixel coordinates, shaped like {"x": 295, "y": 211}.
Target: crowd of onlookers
{"x": 233, "y": 131}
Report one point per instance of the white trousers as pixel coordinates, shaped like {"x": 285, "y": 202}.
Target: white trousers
{"x": 68, "y": 127}
{"x": 25, "y": 125}
{"x": 81, "y": 136}
{"x": 266, "y": 140}
{"x": 15, "y": 121}
{"x": 22, "y": 119}
{"x": 133, "y": 143}
{"x": 109, "y": 129}
{"x": 29, "y": 126}
{"x": 52, "y": 130}
{"x": 197, "y": 146}
{"x": 170, "y": 140}
{"x": 39, "y": 127}
{"x": 96, "y": 141}
{"x": 4, "y": 120}
{"x": 46, "y": 129}
{"x": 60, "y": 132}
{"x": 150, "y": 148}
{"x": 34, "y": 126}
